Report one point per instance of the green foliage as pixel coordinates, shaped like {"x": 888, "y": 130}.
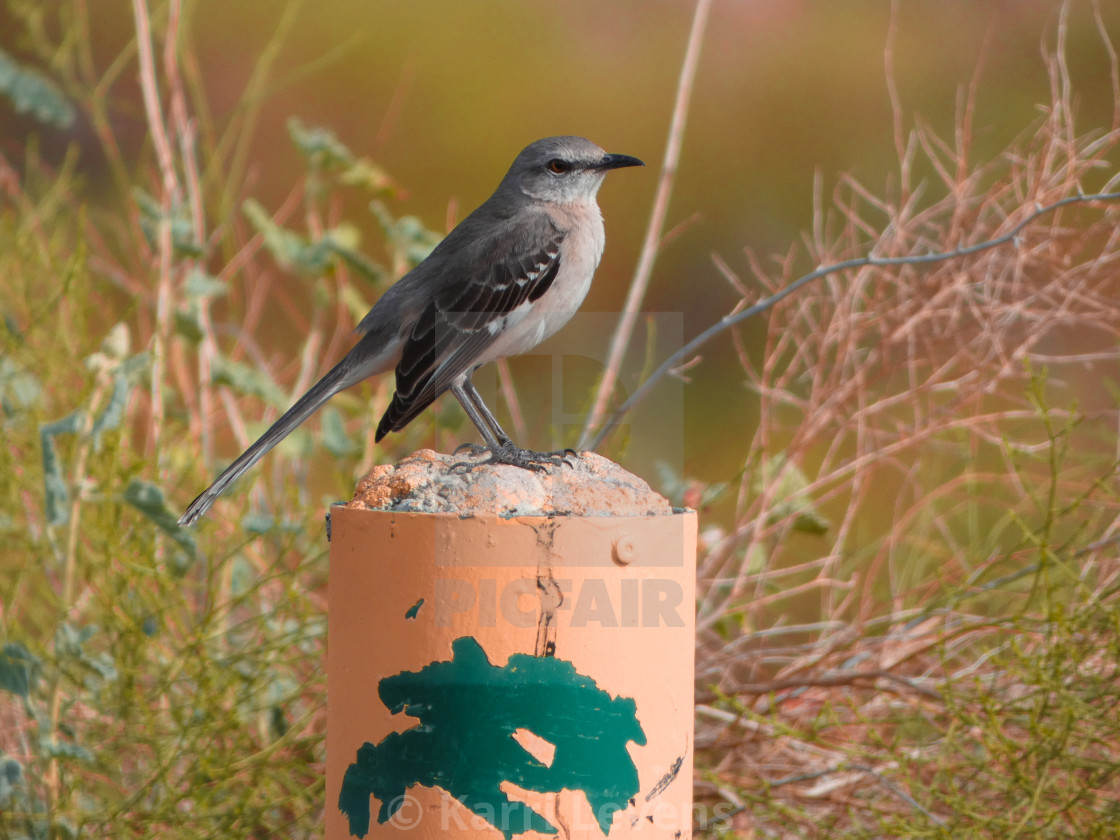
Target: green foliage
{"x": 156, "y": 681}
{"x": 330, "y": 165}
{"x": 1030, "y": 746}
{"x": 20, "y": 389}
{"x": 335, "y": 439}
{"x": 152, "y": 216}
{"x": 326, "y": 155}
{"x": 408, "y": 236}
{"x": 148, "y": 499}
{"x": 17, "y": 669}
{"x": 685, "y": 492}
{"x": 246, "y": 379}
{"x": 55, "y": 492}
{"x": 32, "y": 92}
{"x": 787, "y": 483}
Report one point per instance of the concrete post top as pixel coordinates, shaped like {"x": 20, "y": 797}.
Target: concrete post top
{"x": 430, "y": 482}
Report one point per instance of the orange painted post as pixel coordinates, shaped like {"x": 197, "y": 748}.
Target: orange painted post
{"x": 492, "y": 673}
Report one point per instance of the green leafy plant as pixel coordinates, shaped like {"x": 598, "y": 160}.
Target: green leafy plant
{"x": 156, "y": 681}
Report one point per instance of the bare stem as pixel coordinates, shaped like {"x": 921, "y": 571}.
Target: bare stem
{"x": 149, "y": 86}
{"x": 730, "y": 321}
{"x": 53, "y": 779}
{"x": 625, "y": 330}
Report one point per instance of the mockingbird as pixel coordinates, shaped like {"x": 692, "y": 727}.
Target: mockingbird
{"x": 509, "y": 276}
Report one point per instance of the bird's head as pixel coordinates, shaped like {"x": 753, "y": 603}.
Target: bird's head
{"x": 563, "y": 169}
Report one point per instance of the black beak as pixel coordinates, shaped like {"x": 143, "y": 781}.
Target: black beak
{"x": 618, "y": 162}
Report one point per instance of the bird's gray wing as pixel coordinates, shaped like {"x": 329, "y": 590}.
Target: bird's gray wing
{"x": 470, "y": 310}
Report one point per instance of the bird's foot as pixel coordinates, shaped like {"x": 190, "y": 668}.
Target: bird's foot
{"x": 514, "y": 456}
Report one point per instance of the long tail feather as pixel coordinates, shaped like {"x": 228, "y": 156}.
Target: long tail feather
{"x": 333, "y": 382}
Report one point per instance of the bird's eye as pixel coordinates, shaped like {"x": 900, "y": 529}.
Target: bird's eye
{"x": 558, "y": 166}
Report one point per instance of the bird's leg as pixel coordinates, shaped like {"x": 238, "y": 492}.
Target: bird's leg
{"x": 499, "y": 445}
{"x": 483, "y": 419}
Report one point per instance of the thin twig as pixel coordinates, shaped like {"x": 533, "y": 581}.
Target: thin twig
{"x": 165, "y": 156}
{"x": 897, "y": 791}
{"x": 185, "y": 130}
{"x": 621, "y": 338}
{"x": 827, "y": 681}
{"x": 730, "y": 321}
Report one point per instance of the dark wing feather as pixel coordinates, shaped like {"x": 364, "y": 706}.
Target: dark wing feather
{"x": 465, "y": 317}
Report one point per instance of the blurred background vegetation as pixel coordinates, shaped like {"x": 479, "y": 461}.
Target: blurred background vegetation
{"x": 905, "y": 477}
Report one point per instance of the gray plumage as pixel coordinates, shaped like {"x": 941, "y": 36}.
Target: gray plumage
{"x": 506, "y": 278}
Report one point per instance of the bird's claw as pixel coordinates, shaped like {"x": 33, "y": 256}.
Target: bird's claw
{"x": 473, "y": 448}
{"x": 511, "y": 455}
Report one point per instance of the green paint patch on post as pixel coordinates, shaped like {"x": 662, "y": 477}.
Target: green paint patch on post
{"x": 414, "y": 610}
{"x": 468, "y": 711}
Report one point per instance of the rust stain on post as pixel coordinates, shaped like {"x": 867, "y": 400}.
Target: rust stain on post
{"x": 548, "y": 590}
